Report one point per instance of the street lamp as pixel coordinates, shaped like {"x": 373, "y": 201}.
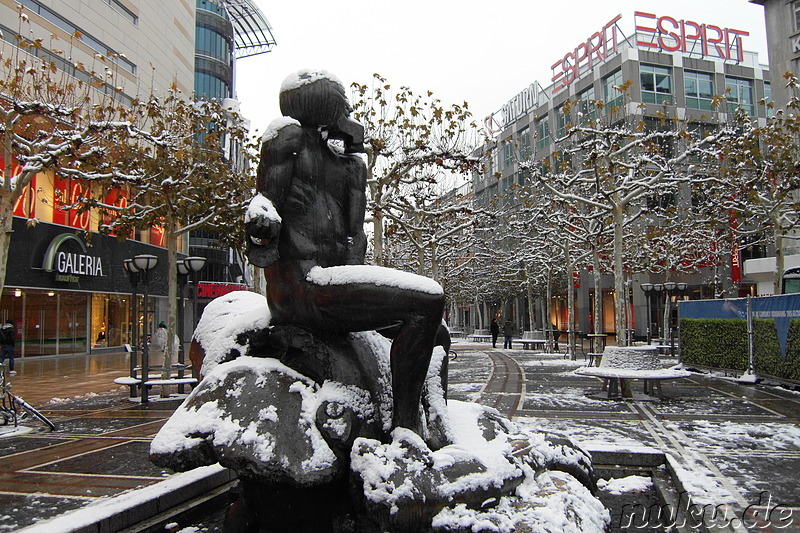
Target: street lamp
{"x": 648, "y": 289}
{"x": 657, "y": 288}
{"x": 144, "y": 263}
{"x": 671, "y": 288}
{"x": 183, "y": 274}
{"x": 133, "y": 277}
{"x": 194, "y": 264}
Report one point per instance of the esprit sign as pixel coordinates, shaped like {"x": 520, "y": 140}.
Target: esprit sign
{"x": 595, "y": 49}
{"x": 673, "y": 35}
{"x": 69, "y": 261}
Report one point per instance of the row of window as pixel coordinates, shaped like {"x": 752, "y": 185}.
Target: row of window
{"x": 71, "y": 29}
{"x": 656, "y": 87}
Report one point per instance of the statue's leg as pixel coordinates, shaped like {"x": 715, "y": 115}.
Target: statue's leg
{"x": 416, "y": 316}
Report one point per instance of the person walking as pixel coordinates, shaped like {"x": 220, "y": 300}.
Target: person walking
{"x": 7, "y": 337}
{"x": 494, "y": 328}
{"x": 508, "y": 332}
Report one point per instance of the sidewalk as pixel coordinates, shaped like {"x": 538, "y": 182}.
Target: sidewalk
{"x": 725, "y": 441}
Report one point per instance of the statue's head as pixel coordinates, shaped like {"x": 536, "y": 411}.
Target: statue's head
{"x": 316, "y": 98}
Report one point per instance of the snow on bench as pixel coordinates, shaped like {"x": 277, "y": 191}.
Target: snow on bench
{"x": 480, "y": 335}
{"x": 533, "y": 340}
{"x": 619, "y": 364}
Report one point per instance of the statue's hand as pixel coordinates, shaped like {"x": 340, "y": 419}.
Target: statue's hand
{"x": 263, "y": 226}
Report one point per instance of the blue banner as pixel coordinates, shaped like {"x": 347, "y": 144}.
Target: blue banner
{"x": 780, "y": 308}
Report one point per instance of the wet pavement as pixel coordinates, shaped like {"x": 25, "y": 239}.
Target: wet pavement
{"x": 720, "y": 442}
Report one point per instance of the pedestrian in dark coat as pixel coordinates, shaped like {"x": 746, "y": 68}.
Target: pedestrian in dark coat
{"x": 7, "y": 338}
{"x": 495, "y": 330}
{"x": 508, "y": 332}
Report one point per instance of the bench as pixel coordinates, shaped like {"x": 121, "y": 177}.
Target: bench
{"x": 154, "y": 378}
{"x": 533, "y": 340}
{"x": 481, "y": 335}
{"x": 619, "y": 365}
{"x": 594, "y": 358}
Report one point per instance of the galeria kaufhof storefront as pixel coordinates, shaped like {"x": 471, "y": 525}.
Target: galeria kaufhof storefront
{"x": 67, "y": 292}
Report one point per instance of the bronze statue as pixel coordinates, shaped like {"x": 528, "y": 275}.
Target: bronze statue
{"x": 308, "y": 234}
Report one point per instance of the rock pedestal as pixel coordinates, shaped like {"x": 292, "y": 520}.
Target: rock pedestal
{"x": 305, "y": 421}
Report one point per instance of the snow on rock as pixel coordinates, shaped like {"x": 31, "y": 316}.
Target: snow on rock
{"x": 306, "y": 76}
{"x": 270, "y": 434}
{"x": 373, "y": 275}
{"x": 261, "y": 207}
{"x": 223, "y": 322}
{"x": 498, "y": 474}
{"x": 276, "y": 126}
{"x": 625, "y": 484}
{"x": 630, "y": 358}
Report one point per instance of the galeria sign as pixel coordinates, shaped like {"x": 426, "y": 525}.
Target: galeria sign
{"x": 672, "y": 35}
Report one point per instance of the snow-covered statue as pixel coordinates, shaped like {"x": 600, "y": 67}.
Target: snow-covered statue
{"x": 330, "y": 425}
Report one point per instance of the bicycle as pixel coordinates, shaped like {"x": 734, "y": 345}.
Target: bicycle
{"x": 13, "y": 408}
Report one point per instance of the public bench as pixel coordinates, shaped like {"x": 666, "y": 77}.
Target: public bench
{"x": 480, "y": 335}
{"x": 156, "y": 379}
{"x": 619, "y": 365}
{"x": 533, "y": 340}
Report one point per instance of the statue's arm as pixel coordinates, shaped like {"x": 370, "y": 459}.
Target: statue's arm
{"x": 273, "y": 182}
{"x": 357, "y": 205}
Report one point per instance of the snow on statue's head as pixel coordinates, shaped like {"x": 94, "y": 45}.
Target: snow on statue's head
{"x": 314, "y": 98}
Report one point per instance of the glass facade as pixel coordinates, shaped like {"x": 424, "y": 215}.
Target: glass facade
{"x": 210, "y": 86}
{"x": 586, "y": 107}
{"x": 699, "y": 87}
{"x": 212, "y": 43}
{"x": 656, "y": 84}
{"x": 542, "y": 133}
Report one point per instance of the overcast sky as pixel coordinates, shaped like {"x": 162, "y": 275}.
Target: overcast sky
{"x": 483, "y": 53}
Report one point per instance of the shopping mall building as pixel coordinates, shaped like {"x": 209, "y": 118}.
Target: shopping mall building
{"x": 675, "y": 68}
{"x": 65, "y": 288}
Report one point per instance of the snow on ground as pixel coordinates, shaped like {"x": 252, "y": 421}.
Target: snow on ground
{"x": 716, "y": 437}
{"x": 625, "y": 484}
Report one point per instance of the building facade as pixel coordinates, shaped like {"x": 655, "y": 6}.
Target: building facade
{"x": 66, "y": 289}
{"x": 674, "y": 68}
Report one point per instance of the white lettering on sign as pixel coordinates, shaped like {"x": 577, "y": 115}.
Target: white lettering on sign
{"x": 596, "y": 48}
{"x": 85, "y": 265}
{"x": 795, "y": 45}
{"x": 672, "y": 35}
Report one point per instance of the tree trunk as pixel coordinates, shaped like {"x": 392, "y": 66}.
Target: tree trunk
{"x": 171, "y": 239}
{"x": 6, "y": 221}
{"x": 377, "y": 238}
{"x": 529, "y": 293}
{"x": 597, "y": 321}
{"x": 777, "y": 280}
{"x": 619, "y": 277}
{"x": 570, "y": 303}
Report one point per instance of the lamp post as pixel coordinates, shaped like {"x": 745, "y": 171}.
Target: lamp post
{"x": 671, "y": 288}
{"x": 144, "y": 263}
{"x": 195, "y": 264}
{"x": 657, "y": 289}
{"x": 647, "y": 288}
{"x": 183, "y": 274}
{"x": 133, "y": 277}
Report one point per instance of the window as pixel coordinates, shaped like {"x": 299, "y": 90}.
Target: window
{"x": 508, "y": 154}
{"x": 656, "y": 84}
{"x": 739, "y": 94}
{"x": 796, "y": 15}
{"x": 586, "y": 106}
{"x": 699, "y": 87}
{"x": 768, "y": 97}
{"x": 612, "y": 96}
{"x": 542, "y": 133}
{"x": 524, "y": 140}
{"x": 213, "y": 44}
{"x": 561, "y": 122}
{"x": 210, "y": 86}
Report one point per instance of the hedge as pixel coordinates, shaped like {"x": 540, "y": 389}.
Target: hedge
{"x": 722, "y": 343}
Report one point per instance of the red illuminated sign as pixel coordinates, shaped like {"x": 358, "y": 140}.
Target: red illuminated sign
{"x": 596, "y": 48}
{"x": 672, "y": 35}
{"x": 215, "y": 290}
